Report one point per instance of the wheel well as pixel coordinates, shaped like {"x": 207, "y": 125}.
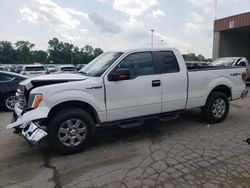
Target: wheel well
{"x": 223, "y": 89}
{"x": 75, "y": 104}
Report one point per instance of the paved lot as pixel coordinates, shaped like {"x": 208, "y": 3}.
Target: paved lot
{"x": 182, "y": 153}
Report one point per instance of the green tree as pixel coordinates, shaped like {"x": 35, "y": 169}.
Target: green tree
{"x": 201, "y": 57}
{"x": 39, "y": 56}
{"x": 88, "y": 49}
{"x": 191, "y": 57}
{"x": 68, "y": 55}
{"x": 59, "y": 52}
{"x": 97, "y": 51}
{"x": 23, "y": 51}
{"x": 55, "y": 51}
{"x": 6, "y": 52}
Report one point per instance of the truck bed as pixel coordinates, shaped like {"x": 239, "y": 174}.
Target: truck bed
{"x": 202, "y": 79}
{"x": 204, "y": 66}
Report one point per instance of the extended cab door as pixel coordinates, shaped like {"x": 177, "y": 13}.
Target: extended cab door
{"x": 138, "y": 96}
{"x": 174, "y": 80}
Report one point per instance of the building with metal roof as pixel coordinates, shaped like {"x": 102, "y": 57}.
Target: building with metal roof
{"x": 232, "y": 36}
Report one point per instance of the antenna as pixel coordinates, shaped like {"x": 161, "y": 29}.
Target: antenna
{"x": 216, "y": 8}
{"x": 152, "y": 38}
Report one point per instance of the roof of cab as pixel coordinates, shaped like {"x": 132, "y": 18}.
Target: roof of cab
{"x": 145, "y": 49}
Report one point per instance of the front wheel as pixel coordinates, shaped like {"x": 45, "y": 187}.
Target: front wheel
{"x": 71, "y": 130}
{"x": 216, "y": 108}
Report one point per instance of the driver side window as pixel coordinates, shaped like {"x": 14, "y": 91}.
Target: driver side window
{"x": 139, "y": 64}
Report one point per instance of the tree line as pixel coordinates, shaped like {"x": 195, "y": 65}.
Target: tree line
{"x": 193, "y": 57}
{"x": 58, "y": 52}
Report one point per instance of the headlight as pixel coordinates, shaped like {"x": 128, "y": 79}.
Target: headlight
{"x": 35, "y": 100}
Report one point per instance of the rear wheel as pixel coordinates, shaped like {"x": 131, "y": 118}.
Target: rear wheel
{"x": 70, "y": 131}
{"x": 216, "y": 108}
{"x": 9, "y": 102}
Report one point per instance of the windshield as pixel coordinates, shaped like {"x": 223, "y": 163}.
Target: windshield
{"x": 223, "y": 62}
{"x": 68, "y": 69}
{"x": 100, "y": 64}
{"x": 40, "y": 68}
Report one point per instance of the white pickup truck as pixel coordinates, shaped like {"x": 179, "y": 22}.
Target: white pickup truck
{"x": 121, "y": 88}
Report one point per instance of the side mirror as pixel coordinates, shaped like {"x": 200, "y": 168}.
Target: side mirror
{"x": 119, "y": 74}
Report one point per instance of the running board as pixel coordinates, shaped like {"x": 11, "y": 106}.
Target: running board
{"x": 168, "y": 117}
{"x": 131, "y": 123}
{"x": 136, "y": 122}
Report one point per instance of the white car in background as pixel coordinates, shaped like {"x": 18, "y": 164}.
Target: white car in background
{"x": 33, "y": 70}
{"x": 51, "y": 68}
{"x": 233, "y": 61}
{"x": 67, "y": 69}
{"x": 2, "y": 68}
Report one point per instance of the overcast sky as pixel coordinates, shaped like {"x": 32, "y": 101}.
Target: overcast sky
{"x": 116, "y": 24}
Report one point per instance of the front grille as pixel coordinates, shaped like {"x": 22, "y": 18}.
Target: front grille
{"x": 21, "y": 99}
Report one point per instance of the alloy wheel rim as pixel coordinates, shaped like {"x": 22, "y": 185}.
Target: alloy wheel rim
{"x": 219, "y": 108}
{"x": 72, "y": 132}
{"x": 11, "y": 102}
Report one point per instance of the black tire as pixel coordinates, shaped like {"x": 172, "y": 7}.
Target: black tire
{"x": 58, "y": 120}
{"x": 4, "y": 106}
{"x": 208, "y": 110}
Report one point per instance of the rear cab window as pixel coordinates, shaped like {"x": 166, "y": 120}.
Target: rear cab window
{"x": 167, "y": 62}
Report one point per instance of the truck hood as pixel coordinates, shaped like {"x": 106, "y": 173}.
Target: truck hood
{"x": 51, "y": 79}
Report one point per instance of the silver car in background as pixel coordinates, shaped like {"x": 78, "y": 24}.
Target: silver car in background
{"x": 2, "y": 68}
{"x": 33, "y": 70}
{"x": 233, "y": 61}
{"x": 67, "y": 69}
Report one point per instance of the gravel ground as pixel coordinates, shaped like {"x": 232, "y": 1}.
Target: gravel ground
{"x": 186, "y": 152}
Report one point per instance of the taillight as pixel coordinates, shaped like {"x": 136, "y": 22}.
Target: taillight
{"x": 244, "y": 76}
{"x": 24, "y": 73}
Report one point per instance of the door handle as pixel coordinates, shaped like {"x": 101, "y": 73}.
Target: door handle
{"x": 156, "y": 83}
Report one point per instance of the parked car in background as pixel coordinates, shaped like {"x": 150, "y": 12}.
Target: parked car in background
{"x": 18, "y": 68}
{"x": 2, "y": 68}
{"x": 51, "y": 68}
{"x": 8, "y": 85}
{"x": 67, "y": 68}
{"x": 33, "y": 70}
{"x": 233, "y": 61}
{"x": 10, "y": 68}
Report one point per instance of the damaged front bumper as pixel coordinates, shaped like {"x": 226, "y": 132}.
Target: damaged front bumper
{"x": 32, "y": 132}
{"x": 27, "y": 124}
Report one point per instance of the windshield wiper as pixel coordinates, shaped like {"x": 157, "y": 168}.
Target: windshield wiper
{"x": 84, "y": 73}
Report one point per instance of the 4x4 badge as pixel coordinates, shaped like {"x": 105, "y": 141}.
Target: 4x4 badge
{"x": 235, "y": 74}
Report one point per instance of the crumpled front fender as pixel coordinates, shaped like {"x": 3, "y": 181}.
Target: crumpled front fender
{"x": 39, "y": 113}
